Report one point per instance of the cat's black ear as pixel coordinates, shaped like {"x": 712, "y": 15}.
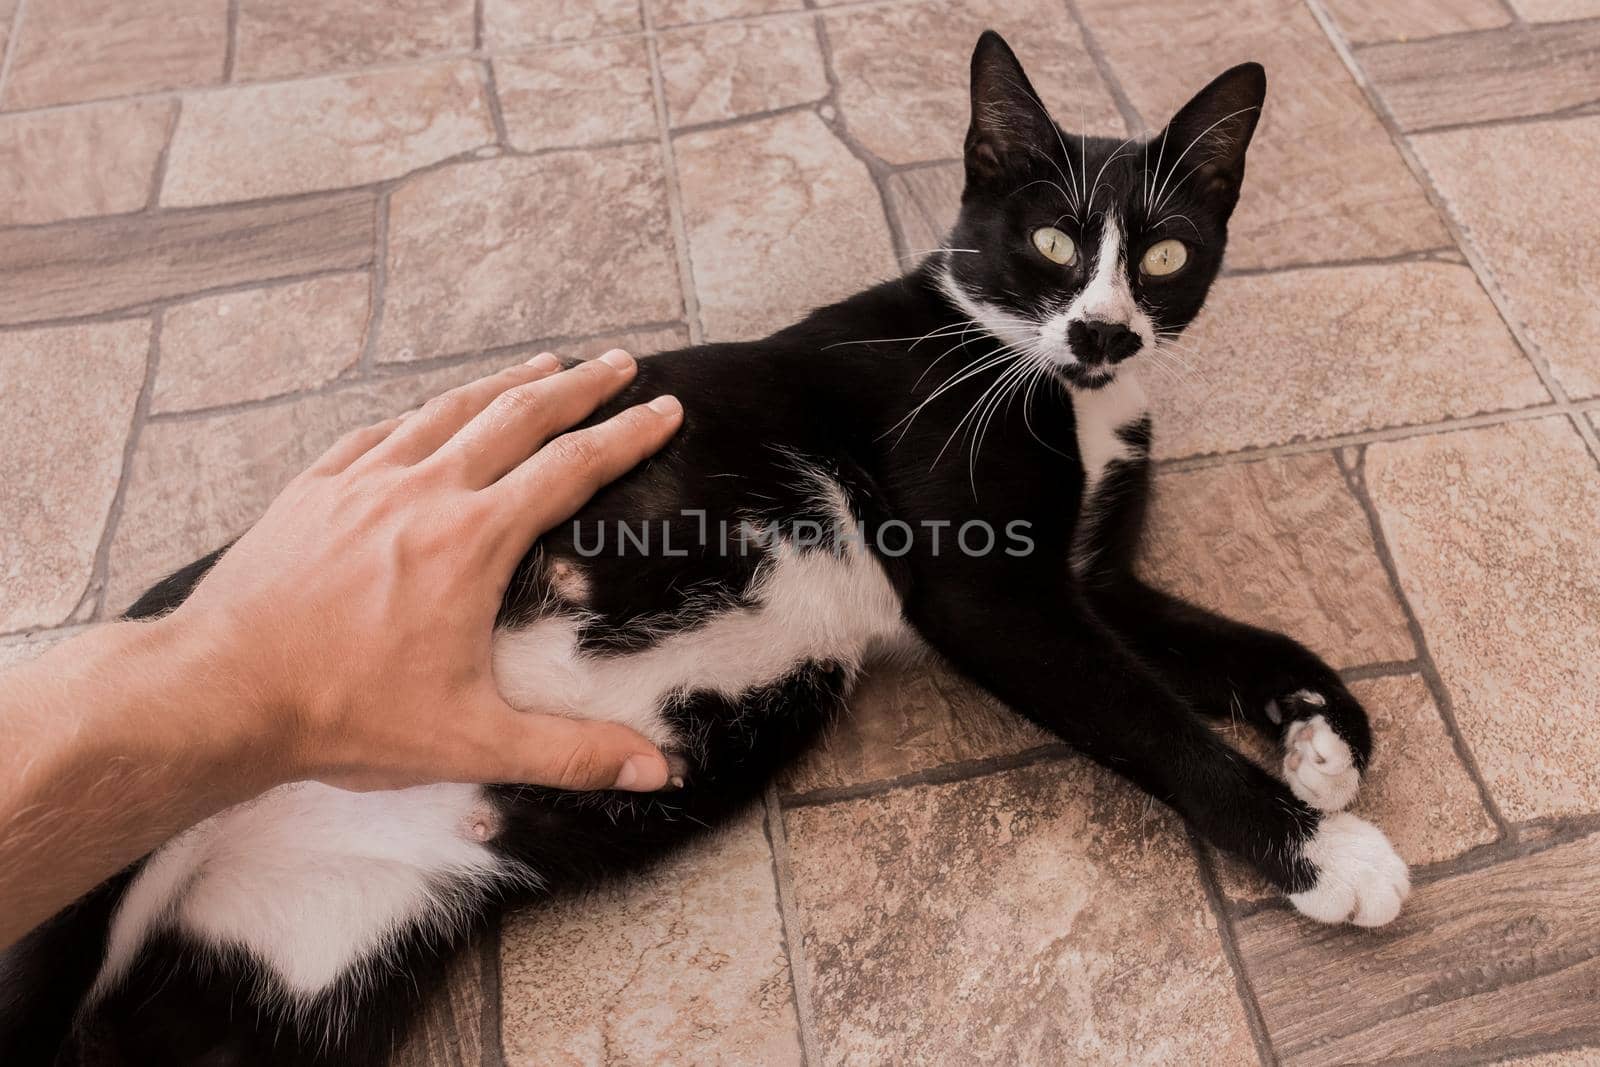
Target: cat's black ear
{"x": 1009, "y": 121}
{"x": 1208, "y": 136}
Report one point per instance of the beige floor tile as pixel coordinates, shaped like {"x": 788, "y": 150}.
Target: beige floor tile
{"x": 638, "y": 342}
{"x": 261, "y": 342}
{"x": 1576, "y": 1057}
{"x": 903, "y": 72}
{"x": 66, "y": 407}
{"x": 720, "y": 72}
{"x": 1384, "y": 20}
{"x": 1417, "y": 790}
{"x": 926, "y": 202}
{"x": 676, "y": 12}
{"x": 1280, "y": 544}
{"x": 1501, "y": 954}
{"x": 197, "y": 483}
{"x": 683, "y": 965}
{"x": 510, "y": 250}
{"x": 1324, "y": 181}
{"x": 1540, "y": 254}
{"x": 70, "y": 50}
{"x": 283, "y": 38}
{"x": 324, "y": 133}
{"x": 908, "y": 717}
{"x": 94, "y": 160}
{"x": 518, "y": 23}
{"x": 1483, "y": 77}
{"x": 781, "y": 218}
{"x": 1043, "y": 915}
{"x": 1555, "y": 10}
{"x": 1493, "y": 535}
{"x": 1312, "y": 353}
{"x": 83, "y": 268}
{"x": 577, "y": 95}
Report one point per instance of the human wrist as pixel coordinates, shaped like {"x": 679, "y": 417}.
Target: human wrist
{"x": 216, "y": 712}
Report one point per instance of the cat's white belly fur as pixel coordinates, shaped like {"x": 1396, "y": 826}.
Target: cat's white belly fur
{"x": 312, "y": 879}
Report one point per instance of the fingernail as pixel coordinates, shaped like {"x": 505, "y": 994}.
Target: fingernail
{"x": 642, "y": 774}
{"x": 665, "y": 405}
{"x": 618, "y": 359}
{"x": 544, "y": 361}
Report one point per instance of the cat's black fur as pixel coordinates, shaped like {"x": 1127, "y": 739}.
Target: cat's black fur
{"x": 1123, "y": 672}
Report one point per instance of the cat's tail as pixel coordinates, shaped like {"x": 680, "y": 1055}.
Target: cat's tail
{"x": 45, "y": 980}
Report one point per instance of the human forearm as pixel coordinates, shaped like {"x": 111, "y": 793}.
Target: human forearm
{"x": 346, "y": 637}
{"x": 109, "y": 744}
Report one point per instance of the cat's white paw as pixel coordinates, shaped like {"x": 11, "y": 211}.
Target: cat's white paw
{"x": 1318, "y": 765}
{"x": 1360, "y": 877}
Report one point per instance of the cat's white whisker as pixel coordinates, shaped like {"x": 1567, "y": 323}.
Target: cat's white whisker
{"x": 1161, "y": 194}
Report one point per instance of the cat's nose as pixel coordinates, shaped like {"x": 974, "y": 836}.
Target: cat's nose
{"x": 1094, "y": 341}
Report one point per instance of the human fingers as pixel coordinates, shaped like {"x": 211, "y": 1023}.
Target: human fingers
{"x": 555, "y": 482}
{"x": 352, "y": 446}
{"x": 513, "y": 425}
{"x": 424, "y": 431}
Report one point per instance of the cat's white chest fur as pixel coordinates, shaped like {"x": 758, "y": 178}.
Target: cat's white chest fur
{"x": 1100, "y": 414}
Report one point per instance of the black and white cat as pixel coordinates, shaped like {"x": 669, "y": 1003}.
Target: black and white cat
{"x": 973, "y": 484}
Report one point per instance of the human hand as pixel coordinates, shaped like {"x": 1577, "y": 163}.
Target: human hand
{"x": 357, "y": 614}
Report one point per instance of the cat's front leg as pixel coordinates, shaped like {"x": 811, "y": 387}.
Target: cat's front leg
{"x": 1052, "y": 660}
{"x": 1230, "y": 670}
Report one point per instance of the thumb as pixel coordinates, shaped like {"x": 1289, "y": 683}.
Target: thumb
{"x": 553, "y": 750}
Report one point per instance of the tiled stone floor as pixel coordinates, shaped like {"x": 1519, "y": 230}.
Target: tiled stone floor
{"x": 230, "y": 230}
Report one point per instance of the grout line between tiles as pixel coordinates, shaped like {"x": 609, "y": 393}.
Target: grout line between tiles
{"x": 491, "y": 93}
{"x": 793, "y": 935}
{"x": 1256, "y": 453}
{"x": 231, "y": 57}
{"x": 98, "y": 574}
{"x": 1356, "y": 477}
{"x": 745, "y": 117}
{"x": 1228, "y": 936}
{"x": 1457, "y": 231}
{"x": 940, "y": 774}
{"x": 379, "y": 283}
{"x": 158, "y": 174}
{"x": 12, "y": 38}
{"x": 669, "y": 166}
{"x": 1585, "y": 109}
{"x": 1132, "y": 121}
{"x": 1424, "y": 255}
{"x": 477, "y": 25}
{"x": 832, "y": 115}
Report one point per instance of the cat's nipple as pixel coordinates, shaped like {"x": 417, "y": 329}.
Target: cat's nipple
{"x": 483, "y": 823}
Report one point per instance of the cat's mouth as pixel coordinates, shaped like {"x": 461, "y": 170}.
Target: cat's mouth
{"x": 1080, "y": 376}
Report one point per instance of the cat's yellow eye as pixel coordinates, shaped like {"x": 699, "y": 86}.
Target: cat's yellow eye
{"x": 1054, "y": 245}
{"x": 1164, "y": 258}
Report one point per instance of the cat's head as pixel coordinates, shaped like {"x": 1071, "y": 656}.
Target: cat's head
{"x": 1083, "y": 252}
